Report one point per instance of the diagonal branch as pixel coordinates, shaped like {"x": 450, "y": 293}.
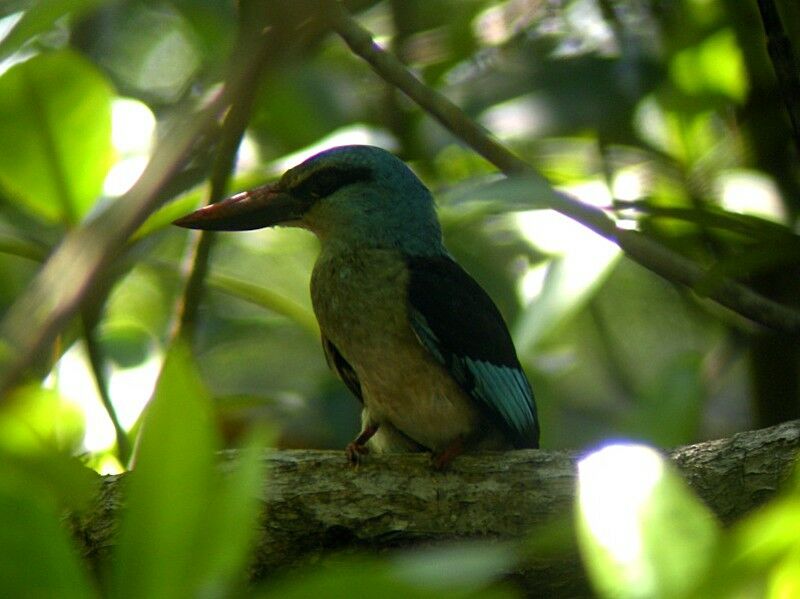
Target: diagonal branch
{"x": 647, "y": 252}
{"x": 59, "y": 288}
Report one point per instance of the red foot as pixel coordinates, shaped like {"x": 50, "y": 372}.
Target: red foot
{"x": 441, "y": 460}
{"x": 357, "y": 447}
{"x": 354, "y": 452}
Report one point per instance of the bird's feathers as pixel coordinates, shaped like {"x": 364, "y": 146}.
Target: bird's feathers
{"x": 340, "y": 366}
{"x": 457, "y": 322}
{"x": 409, "y": 332}
{"x": 326, "y": 180}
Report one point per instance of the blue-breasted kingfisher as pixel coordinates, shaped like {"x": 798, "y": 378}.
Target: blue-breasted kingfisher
{"x": 410, "y": 333}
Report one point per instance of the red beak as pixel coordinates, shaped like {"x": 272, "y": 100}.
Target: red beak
{"x": 264, "y": 206}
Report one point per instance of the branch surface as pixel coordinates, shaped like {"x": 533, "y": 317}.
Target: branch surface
{"x": 314, "y": 503}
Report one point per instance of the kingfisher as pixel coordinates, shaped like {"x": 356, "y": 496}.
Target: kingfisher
{"x": 413, "y": 336}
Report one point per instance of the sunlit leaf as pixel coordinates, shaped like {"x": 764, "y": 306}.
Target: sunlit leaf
{"x": 188, "y": 201}
{"x": 164, "y": 216}
{"x": 685, "y": 134}
{"x": 761, "y": 554}
{"x": 35, "y": 418}
{"x": 642, "y": 533}
{"x": 570, "y": 281}
{"x": 57, "y": 110}
{"x": 714, "y": 66}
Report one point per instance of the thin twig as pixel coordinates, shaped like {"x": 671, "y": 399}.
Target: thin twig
{"x": 636, "y": 246}
{"x": 780, "y": 52}
{"x": 96, "y": 362}
{"x": 196, "y": 263}
{"x": 258, "y": 47}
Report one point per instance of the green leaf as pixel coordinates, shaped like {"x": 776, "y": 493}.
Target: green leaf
{"x": 642, "y": 533}
{"x": 231, "y": 522}
{"x": 38, "y": 19}
{"x": 169, "y": 489}
{"x": 36, "y": 557}
{"x": 468, "y": 566}
{"x": 747, "y": 225}
{"x": 56, "y": 110}
{"x": 523, "y": 192}
{"x": 669, "y": 409}
{"x": 266, "y": 298}
{"x": 715, "y": 66}
{"x": 59, "y": 476}
{"x": 189, "y": 201}
{"x": 255, "y": 294}
{"x": 763, "y": 553}
{"x": 570, "y": 282}
{"x": 167, "y": 213}
{"x": 15, "y": 244}
{"x": 353, "y": 578}
{"x": 36, "y": 419}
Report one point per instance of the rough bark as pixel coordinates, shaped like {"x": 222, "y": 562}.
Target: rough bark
{"x": 314, "y": 503}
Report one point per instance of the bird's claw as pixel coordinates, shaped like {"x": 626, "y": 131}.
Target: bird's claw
{"x": 354, "y": 452}
{"x": 440, "y": 460}
{"x": 358, "y": 446}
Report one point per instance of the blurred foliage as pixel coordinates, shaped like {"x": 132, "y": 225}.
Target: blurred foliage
{"x": 665, "y": 113}
{"x": 642, "y": 533}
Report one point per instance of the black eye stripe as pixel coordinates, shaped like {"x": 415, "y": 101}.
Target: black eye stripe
{"x": 325, "y": 181}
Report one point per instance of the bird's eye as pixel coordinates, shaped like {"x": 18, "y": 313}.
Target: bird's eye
{"x": 325, "y": 181}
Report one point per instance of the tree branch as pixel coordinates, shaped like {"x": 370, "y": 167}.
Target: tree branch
{"x": 647, "y": 252}
{"x": 313, "y": 503}
{"x": 779, "y": 47}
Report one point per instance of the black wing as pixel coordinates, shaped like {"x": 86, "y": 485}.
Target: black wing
{"x": 458, "y": 323}
{"x": 340, "y": 366}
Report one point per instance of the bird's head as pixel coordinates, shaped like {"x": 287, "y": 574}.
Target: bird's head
{"x": 349, "y": 195}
